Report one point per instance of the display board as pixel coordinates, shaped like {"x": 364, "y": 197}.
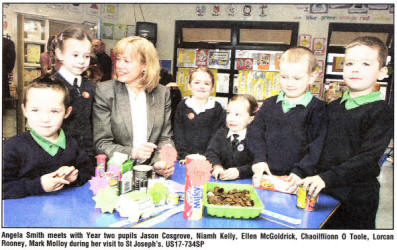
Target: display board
{"x": 241, "y": 62}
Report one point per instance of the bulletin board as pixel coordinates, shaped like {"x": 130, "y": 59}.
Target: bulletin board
{"x": 182, "y": 79}
{"x": 245, "y": 54}
{"x": 212, "y": 58}
{"x": 260, "y": 84}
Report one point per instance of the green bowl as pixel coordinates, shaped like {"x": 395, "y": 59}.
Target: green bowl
{"x": 233, "y": 211}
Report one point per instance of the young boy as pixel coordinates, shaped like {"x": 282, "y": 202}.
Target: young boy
{"x": 360, "y": 128}
{"x": 44, "y": 159}
{"x": 288, "y": 132}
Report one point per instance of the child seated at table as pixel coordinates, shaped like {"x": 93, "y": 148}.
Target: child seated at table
{"x": 44, "y": 159}
{"x": 359, "y": 130}
{"x": 227, "y": 150}
{"x": 288, "y": 132}
{"x": 198, "y": 117}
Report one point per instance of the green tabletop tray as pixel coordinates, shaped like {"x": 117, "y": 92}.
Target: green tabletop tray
{"x": 233, "y": 211}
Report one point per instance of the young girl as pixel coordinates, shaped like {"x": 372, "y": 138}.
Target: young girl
{"x": 73, "y": 50}
{"x": 197, "y": 118}
{"x": 44, "y": 159}
{"x": 227, "y": 150}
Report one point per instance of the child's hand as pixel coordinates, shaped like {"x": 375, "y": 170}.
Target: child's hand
{"x": 229, "y": 174}
{"x": 259, "y": 168}
{"x": 293, "y": 181}
{"x": 50, "y": 182}
{"x": 162, "y": 169}
{"x": 72, "y": 175}
{"x": 313, "y": 184}
{"x": 69, "y": 173}
{"x": 217, "y": 171}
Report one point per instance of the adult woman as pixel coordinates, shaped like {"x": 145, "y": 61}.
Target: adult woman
{"x": 131, "y": 115}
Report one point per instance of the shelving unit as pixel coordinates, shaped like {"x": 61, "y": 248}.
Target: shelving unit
{"x": 243, "y": 55}
{"x": 32, "y": 35}
{"x": 339, "y": 35}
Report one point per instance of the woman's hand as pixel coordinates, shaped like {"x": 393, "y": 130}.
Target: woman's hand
{"x": 162, "y": 169}
{"x": 144, "y": 151}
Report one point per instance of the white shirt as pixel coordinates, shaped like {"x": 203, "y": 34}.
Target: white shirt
{"x": 241, "y": 134}
{"x": 69, "y": 77}
{"x": 191, "y": 103}
{"x": 139, "y": 117}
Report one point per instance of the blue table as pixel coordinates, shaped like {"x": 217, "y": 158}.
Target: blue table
{"x": 75, "y": 207}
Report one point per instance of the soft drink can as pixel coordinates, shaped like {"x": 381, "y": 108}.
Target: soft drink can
{"x": 304, "y": 200}
{"x": 101, "y": 165}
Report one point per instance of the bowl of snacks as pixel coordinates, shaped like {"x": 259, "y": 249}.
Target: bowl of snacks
{"x": 231, "y": 200}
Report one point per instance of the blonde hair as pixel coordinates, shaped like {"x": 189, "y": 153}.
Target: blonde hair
{"x": 146, "y": 54}
{"x": 373, "y": 43}
{"x": 300, "y": 54}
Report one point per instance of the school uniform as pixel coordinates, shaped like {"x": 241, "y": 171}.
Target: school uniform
{"x": 230, "y": 150}
{"x": 194, "y": 126}
{"x": 25, "y": 161}
{"x": 289, "y": 137}
{"x": 359, "y": 131}
{"x": 79, "y": 122}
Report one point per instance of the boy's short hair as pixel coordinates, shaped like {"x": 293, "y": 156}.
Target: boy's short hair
{"x": 374, "y": 43}
{"x": 253, "y": 104}
{"x": 298, "y": 54}
{"x": 202, "y": 69}
{"x": 48, "y": 82}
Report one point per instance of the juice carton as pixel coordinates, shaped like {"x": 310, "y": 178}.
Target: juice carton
{"x": 198, "y": 172}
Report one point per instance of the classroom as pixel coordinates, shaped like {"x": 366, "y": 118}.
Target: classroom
{"x": 170, "y": 180}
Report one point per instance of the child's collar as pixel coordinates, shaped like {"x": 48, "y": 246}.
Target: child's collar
{"x": 191, "y": 103}
{"x": 354, "y": 102}
{"x": 69, "y": 77}
{"x": 241, "y": 134}
{"x": 48, "y": 146}
{"x": 287, "y": 105}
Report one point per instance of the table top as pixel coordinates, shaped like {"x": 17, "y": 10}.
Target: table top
{"x": 74, "y": 207}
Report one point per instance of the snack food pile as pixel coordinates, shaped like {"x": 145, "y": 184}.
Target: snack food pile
{"x": 232, "y": 198}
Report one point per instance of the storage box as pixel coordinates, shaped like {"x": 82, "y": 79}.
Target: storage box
{"x": 232, "y": 211}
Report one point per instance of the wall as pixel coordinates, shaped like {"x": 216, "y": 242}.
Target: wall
{"x": 314, "y": 24}
{"x": 165, "y": 15}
